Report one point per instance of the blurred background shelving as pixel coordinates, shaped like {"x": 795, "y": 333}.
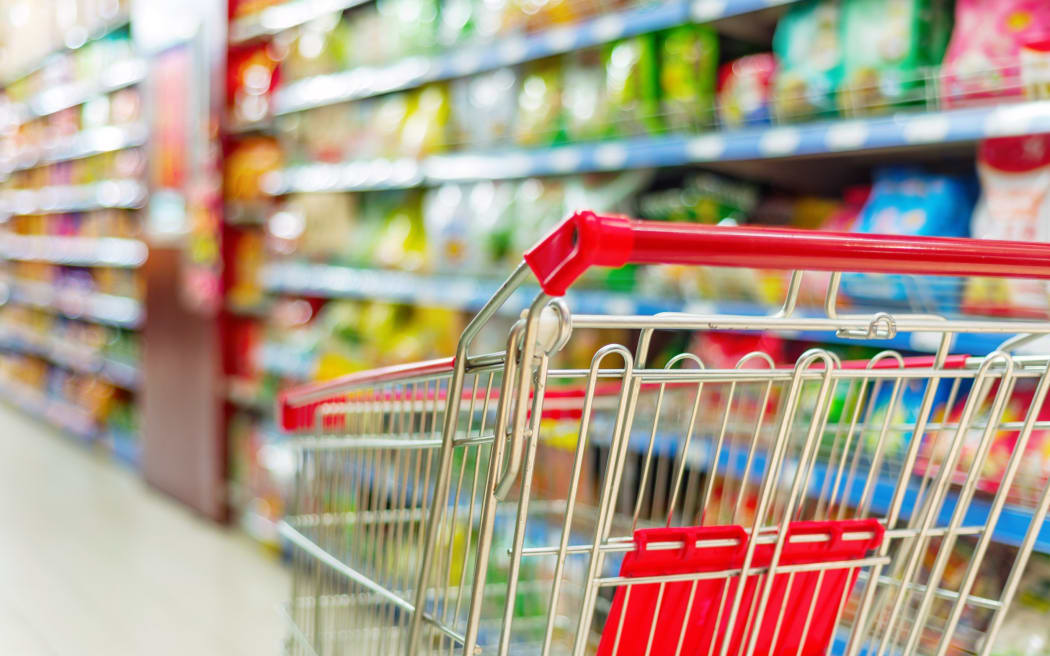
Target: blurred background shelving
{"x": 378, "y": 188}
{"x": 73, "y": 158}
{"x": 297, "y": 190}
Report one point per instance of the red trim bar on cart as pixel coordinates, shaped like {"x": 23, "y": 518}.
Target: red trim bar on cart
{"x": 296, "y": 406}
{"x": 587, "y": 239}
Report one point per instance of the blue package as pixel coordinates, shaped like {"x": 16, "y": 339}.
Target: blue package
{"x": 910, "y": 201}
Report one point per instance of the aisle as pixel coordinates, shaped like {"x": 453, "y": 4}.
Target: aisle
{"x": 94, "y": 562}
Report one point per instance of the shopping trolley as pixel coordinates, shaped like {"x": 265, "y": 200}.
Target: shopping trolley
{"x": 654, "y": 503}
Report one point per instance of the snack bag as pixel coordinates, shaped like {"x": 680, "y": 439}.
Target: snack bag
{"x": 888, "y": 45}
{"x": 982, "y": 61}
{"x": 412, "y": 25}
{"x": 426, "y": 124}
{"x": 491, "y": 227}
{"x": 447, "y": 219}
{"x": 539, "y": 104}
{"x": 401, "y": 243}
{"x": 745, "y": 90}
{"x": 586, "y": 100}
{"x": 1014, "y": 205}
{"x": 633, "y": 86}
{"x": 1034, "y": 471}
{"x": 807, "y": 46}
{"x": 483, "y": 107}
{"x": 688, "y": 72}
{"x": 315, "y": 225}
{"x": 908, "y": 201}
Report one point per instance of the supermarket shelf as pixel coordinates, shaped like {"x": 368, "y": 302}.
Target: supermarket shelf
{"x": 93, "y": 141}
{"x": 75, "y": 39}
{"x": 1010, "y": 528}
{"x": 61, "y": 414}
{"x": 284, "y": 16}
{"x": 366, "y": 175}
{"x": 77, "y": 358}
{"x": 409, "y": 72}
{"x": 117, "y": 76}
{"x": 929, "y": 130}
{"x": 74, "y": 251}
{"x": 470, "y": 294}
{"x": 120, "y": 311}
{"x": 116, "y": 193}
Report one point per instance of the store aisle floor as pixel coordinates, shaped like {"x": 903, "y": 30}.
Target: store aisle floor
{"x": 92, "y": 561}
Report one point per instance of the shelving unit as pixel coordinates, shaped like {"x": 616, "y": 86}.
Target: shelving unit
{"x": 775, "y": 153}
{"x": 916, "y": 131}
{"x": 73, "y": 167}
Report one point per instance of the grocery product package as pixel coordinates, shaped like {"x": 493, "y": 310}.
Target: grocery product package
{"x": 586, "y": 99}
{"x": 539, "y": 107}
{"x": 910, "y": 201}
{"x": 425, "y": 131}
{"x": 1025, "y": 631}
{"x": 1014, "y": 205}
{"x": 983, "y": 57}
{"x": 888, "y": 47}
{"x": 483, "y": 108}
{"x": 633, "y": 86}
{"x": 1033, "y": 472}
{"x": 809, "y": 52}
{"x": 468, "y": 227}
{"x": 745, "y": 90}
{"x": 688, "y": 75}
{"x": 314, "y": 225}
{"x": 710, "y": 199}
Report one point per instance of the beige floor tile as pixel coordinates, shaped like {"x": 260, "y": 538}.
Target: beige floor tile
{"x": 94, "y": 562}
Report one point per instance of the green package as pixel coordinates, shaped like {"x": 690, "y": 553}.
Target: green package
{"x": 633, "y": 86}
{"x": 809, "y": 52}
{"x": 585, "y": 99}
{"x": 892, "y": 45}
{"x": 539, "y": 104}
{"x": 688, "y": 76}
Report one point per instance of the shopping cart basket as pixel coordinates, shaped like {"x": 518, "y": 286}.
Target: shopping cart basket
{"x": 505, "y": 503}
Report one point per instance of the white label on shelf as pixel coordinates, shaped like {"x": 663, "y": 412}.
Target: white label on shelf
{"x": 513, "y": 50}
{"x": 1011, "y": 121}
{"x": 562, "y": 39}
{"x": 926, "y": 341}
{"x": 564, "y": 160}
{"x": 705, "y": 10}
{"x": 517, "y": 165}
{"x": 780, "y": 141}
{"x": 466, "y": 62}
{"x": 926, "y": 129}
{"x": 849, "y": 135}
{"x": 706, "y": 148}
{"x": 700, "y": 307}
{"x": 608, "y": 28}
{"x": 610, "y": 156}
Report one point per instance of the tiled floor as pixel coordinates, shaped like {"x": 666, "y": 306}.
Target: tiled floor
{"x": 94, "y": 562}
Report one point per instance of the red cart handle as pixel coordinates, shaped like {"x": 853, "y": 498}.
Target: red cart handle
{"x": 586, "y": 239}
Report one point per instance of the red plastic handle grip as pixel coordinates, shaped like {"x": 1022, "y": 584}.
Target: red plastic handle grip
{"x": 586, "y": 239}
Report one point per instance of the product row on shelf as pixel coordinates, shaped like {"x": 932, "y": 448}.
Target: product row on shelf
{"x": 84, "y": 404}
{"x": 827, "y": 58}
{"x": 73, "y": 162}
{"x": 43, "y": 46}
{"x": 474, "y": 233}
